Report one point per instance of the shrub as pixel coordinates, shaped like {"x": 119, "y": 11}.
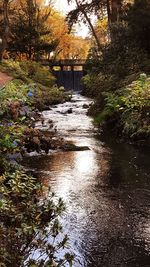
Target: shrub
{"x": 30, "y": 77}
{"x": 38, "y": 73}
{"x": 29, "y": 221}
{"x": 132, "y": 106}
{"x": 28, "y": 71}
{"x": 13, "y": 68}
{"x": 96, "y": 83}
{"x": 30, "y": 225}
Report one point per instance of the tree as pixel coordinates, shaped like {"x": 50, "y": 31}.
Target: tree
{"x": 29, "y": 30}
{"x": 5, "y": 27}
{"x": 82, "y": 10}
{"x": 101, "y": 8}
{"x": 74, "y": 47}
{"x": 138, "y": 19}
{"x": 36, "y": 29}
{"x": 113, "y": 10}
{"x": 68, "y": 45}
{"x": 101, "y": 29}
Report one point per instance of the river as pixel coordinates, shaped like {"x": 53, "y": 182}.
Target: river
{"x": 106, "y": 190}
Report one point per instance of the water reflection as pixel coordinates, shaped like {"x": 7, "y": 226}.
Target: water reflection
{"x": 106, "y": 190}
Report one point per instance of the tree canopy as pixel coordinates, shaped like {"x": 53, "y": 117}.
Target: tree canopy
{"x": 33, "y": 29}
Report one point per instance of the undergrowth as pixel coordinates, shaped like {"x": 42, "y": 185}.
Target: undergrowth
{"x": 129, "y": 108}
{"x": 29, "y": 214}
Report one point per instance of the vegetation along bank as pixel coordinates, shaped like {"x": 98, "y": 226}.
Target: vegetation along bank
{"x": 27, "y": 216}
{"x": 118, "y": 73}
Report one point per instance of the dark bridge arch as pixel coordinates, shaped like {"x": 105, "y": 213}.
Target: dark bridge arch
{"x": 68, "y": 72}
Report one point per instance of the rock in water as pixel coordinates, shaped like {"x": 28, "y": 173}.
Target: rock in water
{"x": 72, "y": 147}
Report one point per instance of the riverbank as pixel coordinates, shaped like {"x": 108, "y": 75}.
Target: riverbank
{"x": 30, "y": 89}
{"x": 125, "y": 112}
{"x": 24, "y": 217}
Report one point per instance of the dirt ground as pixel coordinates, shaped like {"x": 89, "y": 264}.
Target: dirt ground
{"x": 4, "y": 78}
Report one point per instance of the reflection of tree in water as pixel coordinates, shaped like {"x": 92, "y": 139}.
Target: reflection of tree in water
{"x": 125, "y": 252}
{"x": 50, "y": 162}
{"x": 118, "y": 251}
{"x": 130, "y": 245}
{"x": 127, "y": 166}
{"x": 44, "y": 166}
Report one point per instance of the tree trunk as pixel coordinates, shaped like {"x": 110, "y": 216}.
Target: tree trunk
{"x": 91, "y": 26}
{"x": 115, "y": 7}
{"x": 93, "y": 31}
{"x": 113, "y": 14}
{"x": 30, "y": 52}
{"x": 3, "y": 46}
{"x": 108, "y": 12}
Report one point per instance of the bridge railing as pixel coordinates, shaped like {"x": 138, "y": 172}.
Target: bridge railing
{"x": 64, "y": 62}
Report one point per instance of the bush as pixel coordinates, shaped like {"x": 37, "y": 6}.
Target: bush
{"x": 38, "y": 73}
{"x": 29, "y": 221}
{"x": 28, "y": 71}
{"x": 132, "y": 106}
{"x": 33, "y": 78}
{"x": 96, "y": 83}
{"x": 13, "y": 91}
{"x": 13, "y": 68}
{"x": 30, "y": 225}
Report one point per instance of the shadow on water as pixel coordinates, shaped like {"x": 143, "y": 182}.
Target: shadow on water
{"x": 106, "y": 190}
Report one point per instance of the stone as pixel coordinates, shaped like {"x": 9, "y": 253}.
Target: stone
{"x": 69, "y": 111}
{"x": 72, "y": 147}
{"x": 85, "y": 106}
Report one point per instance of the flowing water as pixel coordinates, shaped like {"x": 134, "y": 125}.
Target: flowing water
{"x": 106, "y": 190}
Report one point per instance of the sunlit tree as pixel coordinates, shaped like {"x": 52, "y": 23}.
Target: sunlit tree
{"x": 29, "y": 31}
